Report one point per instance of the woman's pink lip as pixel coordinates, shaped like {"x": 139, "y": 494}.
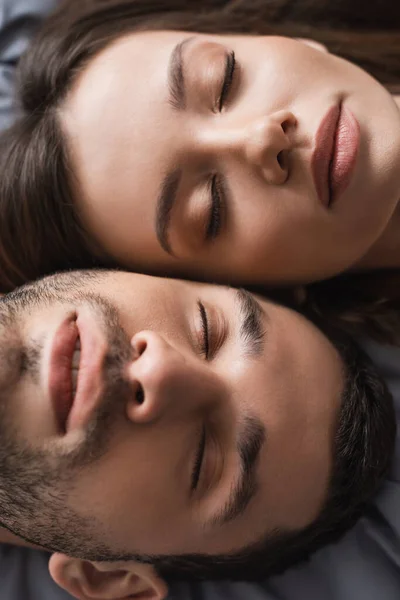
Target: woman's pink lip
{"x": 347, "y": 143}
{"x": 90, "y": 385}
{"x": 322, "y": 155}
{"x": 59, "y": 378}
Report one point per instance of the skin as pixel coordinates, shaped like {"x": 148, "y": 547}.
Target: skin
{"x": 153, "y": 394}
{"x": 126, "y": 133}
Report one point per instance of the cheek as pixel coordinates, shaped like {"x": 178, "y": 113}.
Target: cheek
{"x": 133, "y": 492}
{"x": 253, "y": 221}
{"x": 31, "y": 415}
{"x": 282, "y": 68}
{"x": 270, "y": 223}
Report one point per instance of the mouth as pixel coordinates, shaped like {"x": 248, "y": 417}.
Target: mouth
{"x": 75, "y": 371}
{"x": 334, "y": 158}
{"x": 64, "y": 369}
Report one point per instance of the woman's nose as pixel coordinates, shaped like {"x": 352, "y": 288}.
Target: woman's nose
{"x": 165, "y": 381}
{"x": 263, "y": 143}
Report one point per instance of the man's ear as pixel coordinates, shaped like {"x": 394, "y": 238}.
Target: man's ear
{"x": 313, "y": 44}
{"x": 88, "y": 580}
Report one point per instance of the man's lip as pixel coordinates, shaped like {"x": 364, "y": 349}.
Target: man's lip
{"x": 322, "y": 155}
{"x": 90, "y": 384}
{"x": 60, "y": 361}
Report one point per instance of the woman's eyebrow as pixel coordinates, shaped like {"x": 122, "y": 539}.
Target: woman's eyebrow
{"x": 176, "y": 75}
{"x": 164, "y": 205}
{"x": 170, "y": 183}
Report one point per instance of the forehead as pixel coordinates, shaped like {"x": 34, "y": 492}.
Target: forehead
{"x": 120, "y": 125}
{"x": 119, "y": 103}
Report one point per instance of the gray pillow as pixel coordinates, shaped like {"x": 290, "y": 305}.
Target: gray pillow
{"x": 18, "y": 21}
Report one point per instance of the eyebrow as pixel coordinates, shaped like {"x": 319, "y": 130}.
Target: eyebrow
{"x": 253, "y": 433}
{"x": 170, "y": 183}
{"x": 164, "y": 205}
{"x": 252, "y": 331}
{"x": 176, "y": 76}
{"x": 250, "y": 442}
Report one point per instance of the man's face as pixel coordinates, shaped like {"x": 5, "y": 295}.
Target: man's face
{"x": 173, "y": 417}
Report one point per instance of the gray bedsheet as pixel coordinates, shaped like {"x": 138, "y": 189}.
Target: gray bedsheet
{"x": 364, "y": 565}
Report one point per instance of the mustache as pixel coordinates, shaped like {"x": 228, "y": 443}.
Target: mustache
{"x": 116, "y": 387}
{"x": 34, "y": 474}
{"x": 111, "y": 408}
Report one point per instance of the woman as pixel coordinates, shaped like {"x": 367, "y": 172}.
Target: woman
{"x": 256, "y": 160}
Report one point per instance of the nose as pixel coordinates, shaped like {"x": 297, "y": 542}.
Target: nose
{"x": 263, "y": 142}
{"x": 166, "y": 381}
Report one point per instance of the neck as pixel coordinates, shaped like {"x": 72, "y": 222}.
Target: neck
{"x": 385, "y": 252}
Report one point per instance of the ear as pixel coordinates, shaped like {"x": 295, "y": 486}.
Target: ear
{"x": 88, "y": 580}
{"x": 313, "y": 44}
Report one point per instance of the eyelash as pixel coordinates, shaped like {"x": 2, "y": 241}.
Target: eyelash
{"x": 205, "y": 346}
{"x": 230, "y": 68}
{"x": 217, "y": 203}
{"x": 198, "y": 460}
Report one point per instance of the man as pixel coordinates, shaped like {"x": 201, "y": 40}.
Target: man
{"x": 153, "y": 427}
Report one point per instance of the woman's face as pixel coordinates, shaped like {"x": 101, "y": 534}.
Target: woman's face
{"x": 250, "y": 159}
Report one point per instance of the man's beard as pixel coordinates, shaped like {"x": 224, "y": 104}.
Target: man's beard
{"x": 32, "y": 475}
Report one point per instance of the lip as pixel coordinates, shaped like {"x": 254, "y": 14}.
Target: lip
{"x": 335, "y": 154}
{"x": 75, "y": 413}
{"x": 59, "y": 378}
{"x": 90, "y": 384}
{"x": 347, "y": 143}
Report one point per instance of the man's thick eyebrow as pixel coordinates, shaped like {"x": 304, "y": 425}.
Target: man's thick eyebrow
{"x": 176, "y": 76}
{"x": 250, "y": 443}
{"x": 165, "y": 202}
{"x": 252, "y": 330}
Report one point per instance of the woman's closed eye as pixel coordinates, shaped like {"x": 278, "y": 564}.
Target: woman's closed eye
{"x": 217, "y": 184}
{"x": 230, "y": 68}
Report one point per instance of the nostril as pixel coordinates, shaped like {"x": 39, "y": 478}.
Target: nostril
{"x": 281, "y": 159}
{"x": 285, "y": 126}
{"x": 139, "y": 345}
{"x": 288, "y": 122}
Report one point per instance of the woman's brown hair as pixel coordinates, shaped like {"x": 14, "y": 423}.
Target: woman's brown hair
{"x": 40, "y": 229}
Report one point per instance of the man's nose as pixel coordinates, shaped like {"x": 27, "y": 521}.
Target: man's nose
{"x": 262, "y": 142}
{"x": 166, "y": 381}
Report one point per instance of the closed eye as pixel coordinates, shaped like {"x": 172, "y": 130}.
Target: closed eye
{"x": 217, "y": 206}
{"x": 230, "y": 67}
{"x": 205, "y": 330}
{"x": 196, "y": 471}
